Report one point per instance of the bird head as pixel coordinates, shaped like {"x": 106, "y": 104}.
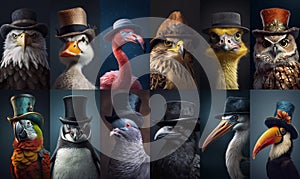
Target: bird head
{"x": 278, "y": 136}
{"x": 76, "y": 48}
{"x": 237, "y": 122}
{"x": 126, "y": 130}
{"x": 127, "y": 35}
{"x": 76, "y": 133}
{"x": 227, "y": 42}
{"x": 25, "y": 130}
{"x": 176, "y": 134}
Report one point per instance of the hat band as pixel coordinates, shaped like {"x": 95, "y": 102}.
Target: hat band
{"x": 275, "y": 26}
{"x": 226, "y": 23}
{"x": 72, "y": 28}
{"x": 23, "y": 21}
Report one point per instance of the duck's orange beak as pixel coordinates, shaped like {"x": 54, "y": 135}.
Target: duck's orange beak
{"x": 71, "y": 50}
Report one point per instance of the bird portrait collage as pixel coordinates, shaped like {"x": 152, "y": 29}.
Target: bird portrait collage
{"x": 153, "y": 89}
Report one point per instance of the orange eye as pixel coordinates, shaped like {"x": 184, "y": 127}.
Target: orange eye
{"x": 127, "y": 125}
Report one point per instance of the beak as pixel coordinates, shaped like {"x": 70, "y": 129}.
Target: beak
{"x": 115, "y": 131}
{"x": 179, "y": 48}
{"x": 223, "y": 127}
{"x": 271, "y": 136}
{"x": 137, "y": 39}
{"x": 227, "y": 44}
{"x": 275, "y": 50}
{"x": 165, "y": 131}
{"x": 20, "y": 133}
{"x": 24, "y": 40}
{"x": 71, "y": 50}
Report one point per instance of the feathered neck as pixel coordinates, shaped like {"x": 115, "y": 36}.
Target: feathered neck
{"x": 285, "y": 147}
{"x": 31, "y": 56}
{"x": 32, "y": 145}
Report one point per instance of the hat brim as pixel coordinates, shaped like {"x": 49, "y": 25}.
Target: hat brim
{"x": 219, "y": 116}
{"x": 174, "y": 121}
{"x": 90, "y": 32}
{"x": 33, "y": 116}
{"x": 272, "y": 121}
{"x": 41, "y": 27}
{"x": 74, "y": 121}
{"x": 294, "y": 31}
{"x": 245, "y": 29}
{"x": 109, "y": 35}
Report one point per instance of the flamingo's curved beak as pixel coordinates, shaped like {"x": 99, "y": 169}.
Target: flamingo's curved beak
{"x": 134, "y": 38}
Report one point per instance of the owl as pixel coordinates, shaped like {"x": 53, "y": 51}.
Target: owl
{"x": 276, "y": 61}
{"x": 171, "y": 65}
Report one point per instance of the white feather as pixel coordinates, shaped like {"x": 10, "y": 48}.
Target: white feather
{"x": 278, "y": 149}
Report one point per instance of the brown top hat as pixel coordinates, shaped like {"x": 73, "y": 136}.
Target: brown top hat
{"x": 174, "y": 26}
{"x": 23, "y": 19}
{"x": 73, "y": 22}
{"x": 275, "y": 21}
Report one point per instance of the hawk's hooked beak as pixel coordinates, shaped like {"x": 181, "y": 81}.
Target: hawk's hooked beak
{"x": 71, "y": 50}
{"x": 178, "y": 48}
{"x": 24, "y": 40}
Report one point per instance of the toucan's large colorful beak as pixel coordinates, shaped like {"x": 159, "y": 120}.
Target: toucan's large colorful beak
{"x": 223, "y": 127}
{"x": 24, "y": 40}
{"x": 71, "y": 50}
{"x": 271, "y": 136}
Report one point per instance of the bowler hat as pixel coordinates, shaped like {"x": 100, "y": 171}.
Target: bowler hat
{"x": 74, "y": 22}
{"x": 24, "y": 19}
{"x": 23, "y": 109}
{"x": 75, "y": 110}
{"x": 226, "y": 19}
{"x": 283, "y": 117}
{"x": 235, "y": 105}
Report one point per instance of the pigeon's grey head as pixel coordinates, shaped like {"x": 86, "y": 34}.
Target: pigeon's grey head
{"x": 125, "y": 130}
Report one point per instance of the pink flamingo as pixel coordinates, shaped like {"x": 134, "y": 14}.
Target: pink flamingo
{"x": 124, "y": 31}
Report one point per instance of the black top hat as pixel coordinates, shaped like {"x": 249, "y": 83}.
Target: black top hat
{"x": 23, "y": 19}
{"x": 283, "y": 117}
{"x": 121, "y": 24}
{"x": 74, "y": 22}
{"x": 126, "y": 106}
{"x": 235, "y": 105}
{"x": 75, "y": 110}
{"x": 226, "y": 19}
{"x": 178, "y": 111}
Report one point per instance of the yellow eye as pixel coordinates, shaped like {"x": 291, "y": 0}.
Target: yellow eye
{"x": 282, "y": 131}
{"x": 284, "y": 42}
{"x": 15, "y": 36}
{"x": 168, "y": 43}
{"x": 238, "y": 36}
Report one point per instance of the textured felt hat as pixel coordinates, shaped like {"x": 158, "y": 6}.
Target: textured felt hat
{"x": 235, "y": 105}
{"x": 23, "y": 109}
{"x": 283, "y": 117}
{"x": 126, "y": 106}
{"x": 276, "y": 21}
{"x": 75, "y": 110}
{"x": 178, "y": 111}
{"x": 175, "y": 26}
{"x": 23, "y": 19}
{"x": 226, "y": 19}
{"x": 121, "y": 24}
{"x": 74, "y": 22}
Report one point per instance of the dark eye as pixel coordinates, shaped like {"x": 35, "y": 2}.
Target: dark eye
{"x": 33, "y": 35}
{"x": 238, "y": 35}
{"x": 282, "y": 131}
{"x": 213, "y": 36}
{"x": 15, "y": 36}
{"x": 72, "y": 134}
{"x": 266, "y": 43}
{"x": 284, "y": 42}
{"x": 235, "y": 117}
{"x": 168, "y": 43}
{"x": 127, "y": 125}
{"x": 28, "y": 122}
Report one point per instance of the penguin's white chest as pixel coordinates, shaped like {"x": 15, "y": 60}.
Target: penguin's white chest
{"x": 72, "y": 163}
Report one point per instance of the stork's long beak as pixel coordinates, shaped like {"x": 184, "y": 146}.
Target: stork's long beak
{"x": 178, "y": 48}
{"x": 223, "y": 127}
{"x": 24, "y": 40}
{"x": 71, "y": 50}
{"x": 271, "y": 136}
{"x": 20, "y": 133}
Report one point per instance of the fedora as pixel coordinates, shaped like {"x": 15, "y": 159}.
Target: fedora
{"x": 24, "y": 19}
{"x": 121, "y": 24}
{"x": 275, "y": 21}
{"x": 74, "y": 22}
{"x": 226, "y": 19}
{"x": 235, "y": 105}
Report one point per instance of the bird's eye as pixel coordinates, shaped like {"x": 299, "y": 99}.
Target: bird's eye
{"x": 33, "y": 35}
{"x": 168, "y": 43}
{"x": 284, "y": 42}
{"x": 28, "y": 122}
{"x": 235, "y": 117}
{"x": 213, "y": 36}
{"x": 266, "y": 43}
{"x": 127, "y": 125}
{"x": 15, "y": 36}
{"x": 238, "y": 35}
{"x": 282, "y": 131}
{"x": 72, "y": 134}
